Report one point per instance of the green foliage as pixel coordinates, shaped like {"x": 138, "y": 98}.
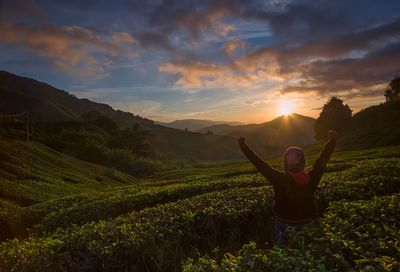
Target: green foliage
{"x": 83, "y": 217}
{"x": 374, "y": 126}
{"x": 334, "y": 115}
{"x": 392, "y": 93}
{"x": 120, "y": 201}
{"x": 352, "y": 236}
{"x": 154, "y": 238}
{"x": 31, "y": 173}
{"x": 98, "y": 140}
{"x": 9, "y": 219}
{"x": 96, "y": 118}
{"x": 395, "y": 84}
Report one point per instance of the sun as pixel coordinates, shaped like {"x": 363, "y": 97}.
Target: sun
{"x": 285, "y": 107}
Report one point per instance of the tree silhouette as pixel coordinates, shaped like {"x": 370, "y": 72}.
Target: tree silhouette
{"x": 395, "y": 87}
{"x": 388, "y": 95}
{"x": 334, "y": 115}
{"x": 100, "y": 120}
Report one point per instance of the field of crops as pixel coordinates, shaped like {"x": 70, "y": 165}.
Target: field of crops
{"x": 74, "y": 216}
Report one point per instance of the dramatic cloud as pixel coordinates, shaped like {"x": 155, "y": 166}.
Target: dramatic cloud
{"x": 231, "y": 46}
{"x": 324, "y": 50}
{"x": 364, "y": 73}
{"x": 123, "y": 37}
{"x": 69, "y": 46}
{"x": 177, "y": 16}
{"x": 210, "y": 49}
{"x": 72, "y": 48}
{"x": 202, "y": 75}
{"x": 236, "y": 74}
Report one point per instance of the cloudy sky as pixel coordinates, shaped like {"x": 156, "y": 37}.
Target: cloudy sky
{"x": 211, "y": 59}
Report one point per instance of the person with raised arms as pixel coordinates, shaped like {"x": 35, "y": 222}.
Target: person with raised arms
{"x": 294, "y": 188}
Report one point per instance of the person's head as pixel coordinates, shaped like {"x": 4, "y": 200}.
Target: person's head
{"x": 294, "y": 159}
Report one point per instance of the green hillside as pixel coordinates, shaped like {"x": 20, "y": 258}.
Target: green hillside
{"x": 47, "y": 104}
{"x": 85, "y": 217}
{"x": 374, "y": 126}
{"x": 32, "y": 173}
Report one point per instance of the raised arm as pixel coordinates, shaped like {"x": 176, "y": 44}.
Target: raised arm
{"x": 320, "y": 164}
{"x": 266, "y": 170}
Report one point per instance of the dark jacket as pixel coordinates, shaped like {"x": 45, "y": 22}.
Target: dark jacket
{"x": 294, "y": 192}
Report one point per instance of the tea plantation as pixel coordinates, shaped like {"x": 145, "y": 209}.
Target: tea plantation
{"x": 61, "y": 214}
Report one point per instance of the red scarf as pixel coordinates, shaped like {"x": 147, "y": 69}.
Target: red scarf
{"x": 301, "y": 178}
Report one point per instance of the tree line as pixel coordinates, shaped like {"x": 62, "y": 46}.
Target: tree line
{"x": 337, "y": 115}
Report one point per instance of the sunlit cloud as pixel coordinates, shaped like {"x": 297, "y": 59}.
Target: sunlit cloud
{"x": 71, "y": 47}
{"x": 352, "y": 75}
{"x": 200, "y": 75}
{"x": 239, "y": 58}
{"x": 240, "y": 73}
{"x": 123, "y": 37}
{"x": 232, "y": 46}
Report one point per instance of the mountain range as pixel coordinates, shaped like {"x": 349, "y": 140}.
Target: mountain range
{"x": 195, "y": 124}
{"x": 46, "y": 103}
{"x": 281, "y": 131}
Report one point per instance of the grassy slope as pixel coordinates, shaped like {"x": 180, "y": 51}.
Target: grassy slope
{"x": 374, "y": 126}
{"x": 48, "y": 190}
{"x": 31, "y": 173}
{"x": 47, "y": 104}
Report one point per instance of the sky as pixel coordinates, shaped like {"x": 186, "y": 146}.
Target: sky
{"x": 230, "y": 60}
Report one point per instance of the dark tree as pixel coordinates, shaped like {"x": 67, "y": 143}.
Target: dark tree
{"x": 388, "y": 95}
{"x": 334, "y": 115}
{"x": 395, "y": 86}
{"x": 132, "y": 139}
{"x": 393, "y": 91}
{"x": 91, "y": 116}
{"x": 100, "y": 120}
{"x": 106, "y": 123}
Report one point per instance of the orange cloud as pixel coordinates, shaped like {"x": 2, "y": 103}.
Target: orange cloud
{"x": 190, "y": 23}
{"x": 243, "y": 72}
{"x": 201, "y": 75}
{"x": 230, "y": 47}
{"x": 123, "y": 37}
{"x": 70, "y": 47}
{"x": 350, "y": 77}
{"x": 210, "y": 18}
{"x": 325, "y": 67}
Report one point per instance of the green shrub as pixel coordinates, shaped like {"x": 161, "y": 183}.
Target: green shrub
{"x": 154, "y": 238}
{"x": 352, "y": 236}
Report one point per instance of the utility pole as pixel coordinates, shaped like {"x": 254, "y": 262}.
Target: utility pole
{"x": 27, "y": 126}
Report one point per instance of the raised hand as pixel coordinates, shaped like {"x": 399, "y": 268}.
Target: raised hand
{"x": 332, "y": 134}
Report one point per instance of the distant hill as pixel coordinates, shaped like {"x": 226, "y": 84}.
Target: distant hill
{"x": 195, "y": 124}
{"x": 269, "y": 138}
{"x": 373, "y": 127}
{"x": 48, "y": 104}
{"x": 293, "y": 129}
